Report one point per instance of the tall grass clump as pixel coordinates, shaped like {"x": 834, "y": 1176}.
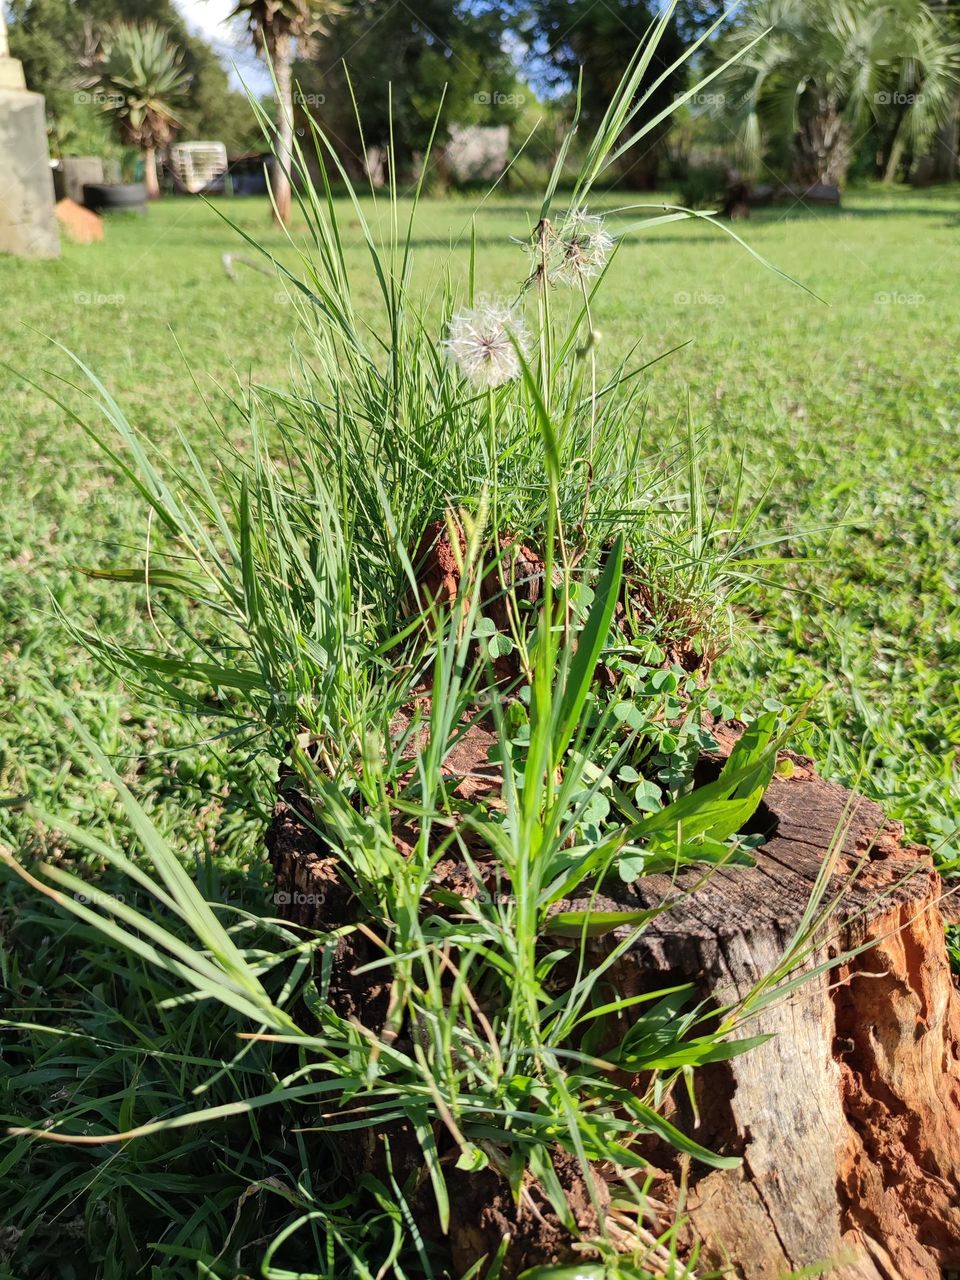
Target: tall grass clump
{"x": 450, "y": 584}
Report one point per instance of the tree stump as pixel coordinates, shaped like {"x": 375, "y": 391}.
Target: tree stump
{"x": 848, "y": 1118}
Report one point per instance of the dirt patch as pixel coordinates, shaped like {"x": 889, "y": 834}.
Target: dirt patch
{"x": 483, "y": 1212}
{"x": 312, "y": 892}
{"x": 514, "y": 573}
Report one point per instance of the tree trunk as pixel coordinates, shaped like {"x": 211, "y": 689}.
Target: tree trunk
{"x": 895, "y": 150}
{"x": 283, "y": 69}
{"x": 822, "y": 149}
{"x": 847, "y": 1119}
{"x": 893, "y": 160}
{"x": 150, "y": 179}
{"x": 946, "y": 145}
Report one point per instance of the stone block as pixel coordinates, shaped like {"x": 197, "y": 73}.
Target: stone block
{"x": 73, "y": 172}
{"x": 27, "y": 223}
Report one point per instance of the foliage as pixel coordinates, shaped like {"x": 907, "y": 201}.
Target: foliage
{"x": 270, "y": 21}
{"x": 82, "y": 129}
{"x": 840, "y": 419}
{"x": 141, "y": 78}
{"x": 55, "y": 40}
{"x": 828, "y": 72}
{"x": 47, "y": 37}
{"x": 401, "y": 63}
{"x": 599, "y": 39}
{"x": 704, "y": 186}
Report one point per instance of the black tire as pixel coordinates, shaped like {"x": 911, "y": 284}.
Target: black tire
{"x": 106, "y": 197}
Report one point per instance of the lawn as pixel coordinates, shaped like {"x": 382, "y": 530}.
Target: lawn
{"x": 832, "y": 417}
{"x": 842, "y": 408}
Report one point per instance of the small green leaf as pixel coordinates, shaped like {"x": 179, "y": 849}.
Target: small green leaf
{"x": 629, "y": 713}
{"x": 472, "y": 1158}
{"x": 647, "y": 797}
{"x": 499, "y": 646}
{"x": 573, "y": 924}
{"x": 631, "y": 866}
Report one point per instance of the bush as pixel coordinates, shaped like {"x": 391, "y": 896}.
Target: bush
{"x": 704, "y": 186}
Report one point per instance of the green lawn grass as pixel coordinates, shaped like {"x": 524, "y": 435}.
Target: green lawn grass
{"x": 843, "y": 413}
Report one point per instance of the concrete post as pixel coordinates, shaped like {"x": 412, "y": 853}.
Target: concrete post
{"x": 28, "y": 226}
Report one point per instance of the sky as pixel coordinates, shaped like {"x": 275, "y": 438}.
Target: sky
{"x": 210, "y": 19}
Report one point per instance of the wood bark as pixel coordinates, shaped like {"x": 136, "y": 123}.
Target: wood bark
{"x": 283, "y": 69}
{"x": 822, "y": 148}
{"x": 150, "y": 179}
{"x": 848, "y": 1118}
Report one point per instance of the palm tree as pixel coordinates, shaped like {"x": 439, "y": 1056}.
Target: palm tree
{"x": 929, "y": 68}
{"x": 831, "y": 68}
{"x": 140, "y": 77}
{"x": 278, "y": 27}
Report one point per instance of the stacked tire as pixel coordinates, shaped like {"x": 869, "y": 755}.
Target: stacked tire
{"x": 115, "y": 197}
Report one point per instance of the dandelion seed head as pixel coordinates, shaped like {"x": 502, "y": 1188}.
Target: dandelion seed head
{"x": 582, "y": 247}
{"x": 480, "y": 342}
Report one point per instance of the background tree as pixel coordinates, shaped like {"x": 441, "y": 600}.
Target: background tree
{"x": 278, "y": 27}
{"x": 53, "y": 38}
{"x": 566, "y": 35}
{"x": 694, "y": 17}
{"x": 832, "y": 69}
{"x": 419, "y": 54}
{"x": 928, "y": 57}
{"x": 141, "y": 78}
{"x": 944, "y": 163}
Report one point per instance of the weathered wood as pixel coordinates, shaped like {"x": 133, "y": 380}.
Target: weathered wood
{"x": 848, "y": 1118}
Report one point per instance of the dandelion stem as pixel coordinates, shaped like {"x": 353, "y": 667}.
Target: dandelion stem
{"x": 494, "y": 460}
{"x": 591, "y": 348}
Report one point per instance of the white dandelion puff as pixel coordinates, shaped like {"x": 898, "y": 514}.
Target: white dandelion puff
{"x": 582, "y": 247}
{"x": 482, "y": 342}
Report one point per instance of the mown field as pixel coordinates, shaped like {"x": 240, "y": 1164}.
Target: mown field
{"x": 830, "y": 421}
{"x": 842, "y": 410}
